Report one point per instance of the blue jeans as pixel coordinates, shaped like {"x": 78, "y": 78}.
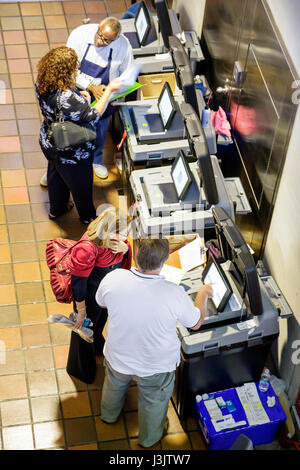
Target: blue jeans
{"x": 101, "y": 129}
{"x": 153, "y": 400}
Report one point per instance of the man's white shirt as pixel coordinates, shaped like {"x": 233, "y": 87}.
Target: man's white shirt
{"x": 122, "y": 56}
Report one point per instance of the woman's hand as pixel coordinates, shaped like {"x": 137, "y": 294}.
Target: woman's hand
{"x": 86, "y": 96}
{"x": 79, "y": 322}
{"x": 118, "y": 246}
{"x": 115, "y": 85}
{"x": 81, "y": 314}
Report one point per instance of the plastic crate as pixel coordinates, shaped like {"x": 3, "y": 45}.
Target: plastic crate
{"x": 258, "y": 434}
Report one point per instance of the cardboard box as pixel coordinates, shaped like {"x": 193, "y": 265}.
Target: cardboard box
{"x": 153, "y": 84}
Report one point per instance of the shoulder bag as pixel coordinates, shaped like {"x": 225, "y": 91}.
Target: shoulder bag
{"x": 63, "y": 134}
{"x": 58, "y": 252}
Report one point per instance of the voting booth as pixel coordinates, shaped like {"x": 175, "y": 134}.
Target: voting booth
{"x": 232, "y": 345}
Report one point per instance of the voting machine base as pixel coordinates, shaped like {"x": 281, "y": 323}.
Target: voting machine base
{"x": 217, "y": 368}
{"x": 223, "y": 355}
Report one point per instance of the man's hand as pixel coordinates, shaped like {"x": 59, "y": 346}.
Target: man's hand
{"x": 96, "y": 90}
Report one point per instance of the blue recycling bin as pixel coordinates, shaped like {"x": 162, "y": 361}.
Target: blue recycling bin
{"x": 259, "y": 434}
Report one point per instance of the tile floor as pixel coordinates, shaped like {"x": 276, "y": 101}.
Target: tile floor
{"x": 41, "y": 407}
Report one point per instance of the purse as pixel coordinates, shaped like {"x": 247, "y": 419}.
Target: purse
{"x": 63, "y": 134}
{"x": 58, "y": 253}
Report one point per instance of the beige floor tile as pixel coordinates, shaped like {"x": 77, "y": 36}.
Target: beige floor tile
{"x": 2, "y": 215}
{"x": 15, "y": 195}
{"x": 12, "y": 386}
{"x": 11, "y": 337}
{"x": 49, "y": 295}
{"x": 174, "y": 422}
{"x": 42, "y": 383}
{"x": 12, "y": 178}
{"x": 80, "y": 431}
{"x": 27, "y": 272}
{"x": 30, "y": 292}
{"x": 59, "y": 334}
{"x": 95, "y": 397}
{"x": 35, "y": 335}
{"x": 132, "y": 424}
{"x": 18, "y": 438}
{"x": 56, "y": 308}
{"x": 177, "y": 441}
{"x": 3, "y": 234}
{"x": 46, "y": 230}
{"x": 131, "y": 403}
{"x": 18, "y": 213}
{"x": 66, "y": 383}
{"x": 24, "y": 251}
{"x": 121, "y": 444}
{"x": 84, "y": 447}
{"x": 9, "y": 316}
{"x": 135, "y": 446}
{"x": 39, "y": 359}
{"x": 61, "y": 356}
{"x": 21, "y": 232}
{"x": 13, "y": 362}
{"x": 5, "y": 256}
{"x": 33, "y": 313}
{"x": 109, "y": 432}
{"x": 15, "y": 412}
{"x": 45, "y": 408}
{"x": 7, "y": 295}
{"x": 6, "y": 276}
{"x": 45, "y": 271}
{"x": 75, "y": 405}
{"x": 49, "y": 435}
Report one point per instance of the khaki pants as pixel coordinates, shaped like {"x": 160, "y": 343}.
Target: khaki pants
{"x": 153, "y": 400}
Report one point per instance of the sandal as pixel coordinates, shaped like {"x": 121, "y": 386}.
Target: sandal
{"x": 69, "y": 208}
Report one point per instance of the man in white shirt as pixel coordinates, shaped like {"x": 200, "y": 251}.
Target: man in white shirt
{"x": 142, "y": 342}
{"x": 104, "y": 54}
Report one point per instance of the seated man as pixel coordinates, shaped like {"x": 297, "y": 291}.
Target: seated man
{"x": 104, "y": 54}
{"x": 142, "y": 342}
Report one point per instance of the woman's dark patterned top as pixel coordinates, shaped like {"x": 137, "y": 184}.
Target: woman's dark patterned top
{"x": 75, "y": 108}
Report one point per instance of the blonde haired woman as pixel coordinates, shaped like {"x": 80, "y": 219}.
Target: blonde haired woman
{"x": 104, "y": 247}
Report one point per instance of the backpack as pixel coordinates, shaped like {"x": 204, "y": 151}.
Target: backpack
{"x": 58, "y": 253}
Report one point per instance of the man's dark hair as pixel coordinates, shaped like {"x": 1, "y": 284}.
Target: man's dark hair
{"x": 152, "y": 253}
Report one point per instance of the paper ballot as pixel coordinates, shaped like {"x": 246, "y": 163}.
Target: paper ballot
{"x": 192, "y": 255}
{"x": 252, "y": 405}
{"x": 171, "y": 273}
{"x": 129, "y": 83}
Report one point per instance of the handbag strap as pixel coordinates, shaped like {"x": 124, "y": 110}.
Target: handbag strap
{"x": 59, "y": 115}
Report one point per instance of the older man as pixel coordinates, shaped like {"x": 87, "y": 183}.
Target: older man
{"x": 142, "y": 342}
{"x": 104, "y": 54}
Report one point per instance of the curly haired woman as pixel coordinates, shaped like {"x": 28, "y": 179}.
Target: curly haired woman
{"x": 69, "y": 170}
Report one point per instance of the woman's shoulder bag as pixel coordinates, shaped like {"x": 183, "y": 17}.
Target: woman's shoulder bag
{"x": 58, "y": 252}
{"x": 63, "y": 134}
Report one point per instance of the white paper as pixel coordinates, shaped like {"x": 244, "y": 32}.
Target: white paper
{"x": 130, "y": 76}
{"x": 192, "y": 255}
{"x": 171, "y": 273}
{"x": 252, "y": 404}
